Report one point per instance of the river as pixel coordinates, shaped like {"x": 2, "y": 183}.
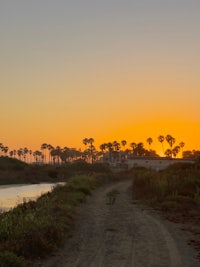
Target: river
{"x": 12, "y": 195}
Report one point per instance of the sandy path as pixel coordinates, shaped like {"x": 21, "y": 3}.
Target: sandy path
{"x": 122, "y": 235}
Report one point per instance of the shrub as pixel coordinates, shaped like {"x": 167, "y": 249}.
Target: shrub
{"x": 37, "y": 228}
{"x": 53, "y": 173}
{"x": 7, "y": 163}
{"x": 9, "y": 259}
{"x": 176, "y": 188}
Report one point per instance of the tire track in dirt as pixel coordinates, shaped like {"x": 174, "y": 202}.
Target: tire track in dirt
{"x": 122, "y": 235}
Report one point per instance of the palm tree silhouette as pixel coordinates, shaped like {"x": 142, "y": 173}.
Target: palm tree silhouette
{"x": 92, "y": 148}
{"x": 161, "y": 139}
{"x": 116, "y": 145}
{"x": 50, "y": 148}
{"x": 168, "y": 153}
{"x": 25, "y": 152}
{"x": 181, "y": 144}
{"x": 175, "y": 151}
{"x": 5, "y": 150}
{"x": 1, "y": 147}
{"x": 124, "y": 142}
{"x": 85, "y": 142}
{"x": 44, "y": 147}
{"x": 102, "y": 147}
{"x": 171, "y": 140}
{"x": 30, "y": 154}
{"x": 149, "y": 141}
{"x": 139, "y": 150}
{"x": 133, "y": 146}
{"x": 110, "y": 150}
{"x": 20, "y": 153}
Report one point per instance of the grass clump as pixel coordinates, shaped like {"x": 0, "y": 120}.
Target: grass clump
{"x": 37, "y": 228}
{"x": 176, "y": 188}
{"x": 111, "y": 196}
{"x": 8, "y": 259}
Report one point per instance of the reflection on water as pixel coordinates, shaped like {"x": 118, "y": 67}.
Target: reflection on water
{"x": 12, "y": 195}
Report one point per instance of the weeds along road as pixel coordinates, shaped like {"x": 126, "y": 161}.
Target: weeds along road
{"x": 122, "y": 235}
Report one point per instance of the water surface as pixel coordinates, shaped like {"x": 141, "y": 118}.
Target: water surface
{"x": 12, "y": 195}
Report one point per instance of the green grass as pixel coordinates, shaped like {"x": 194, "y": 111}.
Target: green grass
{"x": 37, "y": 228}
{"x": 8, "y": 259}
{"x": 176, "y": 188}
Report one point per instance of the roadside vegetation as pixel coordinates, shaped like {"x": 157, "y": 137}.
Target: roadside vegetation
{"x": 175, "y": 192}
{"x": 37, "y": 228}
{"x": 176, "y": 188}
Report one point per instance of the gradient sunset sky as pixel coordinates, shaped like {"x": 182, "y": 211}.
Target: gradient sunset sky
{"x": 107, "y": 69}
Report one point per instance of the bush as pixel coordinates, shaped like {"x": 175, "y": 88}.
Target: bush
{"x": 53, "y": 173}
{"x": 9, "y": 259}
{"x": 37, "y": 228}
{"x": 176, "y": 188}
{"x": 7, "y": 163}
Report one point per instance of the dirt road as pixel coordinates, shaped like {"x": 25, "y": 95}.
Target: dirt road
{"x": 122, "y": 235}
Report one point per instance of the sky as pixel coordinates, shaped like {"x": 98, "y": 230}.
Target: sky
{"x": 109, "y": 69}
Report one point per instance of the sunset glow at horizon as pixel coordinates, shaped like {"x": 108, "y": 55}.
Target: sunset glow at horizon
{"x": 110, "y": 70}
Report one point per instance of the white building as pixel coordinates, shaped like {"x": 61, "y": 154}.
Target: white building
{"x": 155, "y": 163}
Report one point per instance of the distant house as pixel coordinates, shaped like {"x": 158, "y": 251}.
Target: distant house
{"x": 154, "y": 163}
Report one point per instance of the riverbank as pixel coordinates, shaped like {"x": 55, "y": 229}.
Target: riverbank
{"x": 37, "y": 228}
{"x": 13, "y": 171}
{"x": 15, "y": 194}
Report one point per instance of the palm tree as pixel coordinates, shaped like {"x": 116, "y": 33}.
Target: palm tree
{"x": 30, "y": 154}
{"x": 92, "y": 148}
{"x": 175, "y": 151}
{"x": 64, "y": 154}
{"x": 139, "y": 150}
{"x": 86, "y": 155}
{"x": 90, "y": 141}
{"x": 44, "y": 146}
{"x": 20, "y": 153}
{"x": 50, "y": 148}
{"x": 149, "y": 141}
{"x": 14, "y": 153}
{"x": 85, "y": 142}
{"x": 11, "y": 153}
{"x": 133, "y": 146}
{"x": 168, "y": 153}
{"x": 182, "y": 144}
{"x": 123, "y": 143}
{"x": 1, "y": 147}
{"x": 115, "y": 153}
{"x": 5, "y": 150}
{"x": 110, "y": 150}
{"x": 171, "y": 140}
{"x": 38, "y": 156}
{"x": 57, "y": 152}
{"x": 25, "y": 152}
{"x": 116, "y": 145}
{"x": 161, "y": 139}
{"x": 103, "y": 147}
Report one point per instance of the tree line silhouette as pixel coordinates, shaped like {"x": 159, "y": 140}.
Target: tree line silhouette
{"x": 109, "y": 151}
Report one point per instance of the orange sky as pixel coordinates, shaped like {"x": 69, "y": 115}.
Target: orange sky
{"x": 110, "y": 70}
